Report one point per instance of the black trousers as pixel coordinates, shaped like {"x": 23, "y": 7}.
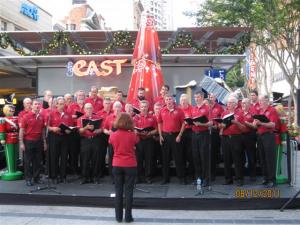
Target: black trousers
{"x": 170, "y": 146}
{"x": 216, "y": 156}
{"x": 249, "y": 146}
{"x": 267, "y": 150}
{"x": 145, "y": 153}
{"x": 200, "y": 145}
{"x": 110, "y": 158}
{"x": 33, "y": 159}
{"x": 89, "y": 157}
{"x": 74, "y": 150}
{"x": 102, "y": 154}
{"x": 124, "y": 177}
{"x": 233, "y": 152}
{"x": 58, "y": 148}
{"x": 187, "y": 151}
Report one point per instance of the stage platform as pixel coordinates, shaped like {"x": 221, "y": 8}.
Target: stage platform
{"x": 171, "y": 196}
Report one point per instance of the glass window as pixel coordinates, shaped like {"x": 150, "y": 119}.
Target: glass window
{"x": 3, "y": 25}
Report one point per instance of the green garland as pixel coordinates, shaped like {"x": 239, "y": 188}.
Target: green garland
{"x": 184, "y": 39}
{"x": 62, "y": 39}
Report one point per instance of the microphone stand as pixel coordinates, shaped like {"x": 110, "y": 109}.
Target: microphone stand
{"x": 209, "y": 188}
{"x": 48, "y": 187}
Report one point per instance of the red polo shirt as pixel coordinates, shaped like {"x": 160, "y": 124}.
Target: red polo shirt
{"x": 215, "y": 112}
{"x": 86, "y": 133}
{"x": 109, "y": 121}
{"x": 103, "y": 114}
{"x": 123, "y": 143}
{"x": 56, "y": 118}
{"x": 33, "y": 125}
{"x": 73, "y": 108}
{"x": 171, "y": 120}
{"x": 272, "y": 115}
{"x": 233, "y": 128}
{"x": 248, "y": 117}
{"x": 143, "y": 121}
{"x": 136, "y": 104}
{"x": 254, "y": 108}
{"x": 160, "y": 99}
{"x": 21, "y": 116}
{"x": 187, "y": 114}
{"x": 203, "y": 110}
{"x": 96, "y": 103}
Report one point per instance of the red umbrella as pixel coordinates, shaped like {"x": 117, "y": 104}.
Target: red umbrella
{"x": 146, "y": 60}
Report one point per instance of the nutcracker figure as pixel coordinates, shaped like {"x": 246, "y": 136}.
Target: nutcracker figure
{"x": 9, "y": 140}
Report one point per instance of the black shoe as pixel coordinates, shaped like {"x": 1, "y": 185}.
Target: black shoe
{"x": 96, "y": 181}
{"x": 205, "y": 183}
{"x": 270, "y": 185}
{"x": 84, "y": 181}
{"x": 148, "y": 181}
{"x": 129, "y": 220}
{"x": 119, "y": 220}
{"x": 165, "y": 182}
{"x": 239, "y": 183}
{"x": 28, "y": 183}
{"x": 38, "y": 181}
{"x": 228, "y": 182}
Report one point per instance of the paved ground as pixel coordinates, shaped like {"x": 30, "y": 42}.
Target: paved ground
{"x": 50, "y": 215}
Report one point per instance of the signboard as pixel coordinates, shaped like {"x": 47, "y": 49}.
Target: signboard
{"x": 216, "y": 73}
{"x": 251, "y": 67}
{"x": 83, "y": 68}
{"x": 30, "y": 11}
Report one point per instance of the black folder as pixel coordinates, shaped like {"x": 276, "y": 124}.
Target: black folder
{"x": 136, "y": 110}
{"x": 96, "y": 123}
{"x": 79, "y": 114}
{"x": 146, "y": 129}
{"x": 226, "y": 119}
{"x": 64, "y": 127}
{"x": 200, "y": 119}
{"x": 262, "y": 118}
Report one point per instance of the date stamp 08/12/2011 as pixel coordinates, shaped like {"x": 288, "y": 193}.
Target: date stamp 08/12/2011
{"x": 257, "y": 193}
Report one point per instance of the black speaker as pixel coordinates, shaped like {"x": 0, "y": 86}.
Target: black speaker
{"x": 298, "y": 106}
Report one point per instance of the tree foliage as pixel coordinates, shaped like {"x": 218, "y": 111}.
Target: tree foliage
{"x": 274, "y": 26}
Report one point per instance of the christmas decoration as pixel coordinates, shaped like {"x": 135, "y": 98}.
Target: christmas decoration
{"x": 146, "y": 60}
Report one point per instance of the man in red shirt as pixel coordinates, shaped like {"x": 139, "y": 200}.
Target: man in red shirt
{"x": 59, "y": 144}
{"x": 31, "y": 139}
{"x": 254, "y": 107}
{"x": 141, "y": 96}
{"x": 232, "y": 143}
{"x": 119, "y": 97}
{"x": 163, "y": 92}
{"x": 249, "y": 138}
{"x": 89, "y": 145}
{"x": 27, "y": 103}
{"x": 145, "y": 147}
{"x": 97, "y": 102}
{"x": 266, "y": 141}
{"x": 216, "y": 111}
{"x": 200, "y": 139}
{"x": 74, "y": 109}
{"x": 103, "y": 114}
{"x": 171, "y": 126}
{"x": 187, "y": 135}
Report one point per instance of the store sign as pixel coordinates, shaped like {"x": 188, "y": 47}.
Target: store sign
{"x": 83, "y": 68}
{"x": 30, "y": 11}
{"x": 216, "y": 73}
